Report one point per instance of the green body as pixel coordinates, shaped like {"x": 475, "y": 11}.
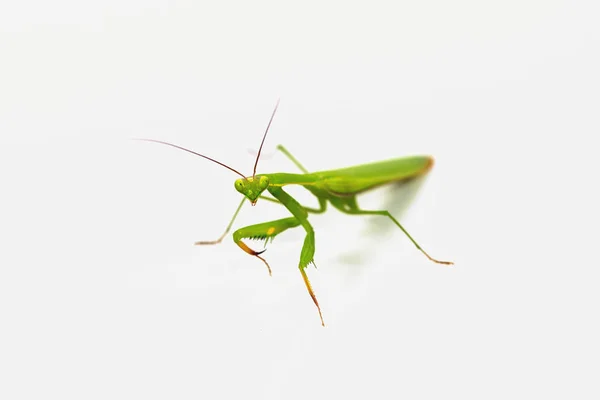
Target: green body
{"x": 338, "y": 187}
{"x": 349, "y": 181}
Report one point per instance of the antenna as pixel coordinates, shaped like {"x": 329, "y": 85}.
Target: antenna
{"x": 198, "y": 154}
{"x": 263, "y": 139}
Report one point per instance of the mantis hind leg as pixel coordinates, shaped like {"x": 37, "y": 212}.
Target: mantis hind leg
{"x": 264, "y": 231}
{"x": 349, "y": 206}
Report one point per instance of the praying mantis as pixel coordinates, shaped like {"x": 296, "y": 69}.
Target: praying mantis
{"x": 339, "y": 187}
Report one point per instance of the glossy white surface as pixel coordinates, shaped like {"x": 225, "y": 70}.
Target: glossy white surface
{"x": 103, "y": 295}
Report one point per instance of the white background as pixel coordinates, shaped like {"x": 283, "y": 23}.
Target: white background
{"x": 103, "y": 295}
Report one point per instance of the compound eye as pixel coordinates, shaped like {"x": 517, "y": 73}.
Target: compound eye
{"x": 239, "y": 185}
{"x": 263, "y": 182}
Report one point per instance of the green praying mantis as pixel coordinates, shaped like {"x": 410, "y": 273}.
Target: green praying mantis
{"x": 339, "y": 187}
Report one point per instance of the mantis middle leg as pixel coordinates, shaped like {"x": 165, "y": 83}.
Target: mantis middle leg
{"x": 292, "y": 158}
{"x": 220, "y": 239}
{"x": 320, "y": 210}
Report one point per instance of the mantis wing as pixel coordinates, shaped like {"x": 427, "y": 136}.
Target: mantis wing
{"x": 353, "y": 180}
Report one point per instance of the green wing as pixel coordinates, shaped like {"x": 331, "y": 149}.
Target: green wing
{"x": 353, "y": 180}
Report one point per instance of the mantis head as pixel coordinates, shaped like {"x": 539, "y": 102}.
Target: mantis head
{"x": 252, "y": 188}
